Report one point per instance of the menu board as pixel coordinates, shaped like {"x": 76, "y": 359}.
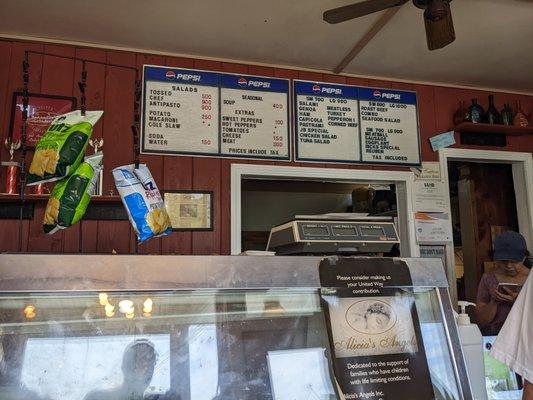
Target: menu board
{"x": 350, "y": 124}
{"x": 327, "y": 119}
{"x": 190, "y": 112}
{"x": 254, "y": 117}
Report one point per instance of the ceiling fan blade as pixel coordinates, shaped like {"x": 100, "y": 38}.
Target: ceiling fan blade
{"x": 439, "y": 33}
{"x": 341, "y": 14}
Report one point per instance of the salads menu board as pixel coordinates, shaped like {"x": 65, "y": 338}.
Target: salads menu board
{"x": 343, "y": 123}
{"x": 193, "y": 112}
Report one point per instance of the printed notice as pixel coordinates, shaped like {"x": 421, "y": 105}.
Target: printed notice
{"x": 327, "y": 122}
{"x": 374, "y": 329}
{"x": 254, "y": 117}
{"x": 389, "y": 126}
{"x": 433, "y": 228}
{"x": 180, "y": 112}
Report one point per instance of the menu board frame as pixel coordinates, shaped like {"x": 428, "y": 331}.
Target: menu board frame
{"x": 219, "y": 86}
{"x": 297, "y": 157}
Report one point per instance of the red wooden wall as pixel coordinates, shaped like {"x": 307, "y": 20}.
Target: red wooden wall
{"x": 111, "y": 88}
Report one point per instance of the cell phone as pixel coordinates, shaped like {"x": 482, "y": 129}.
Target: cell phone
{"x": 512, "y": 287}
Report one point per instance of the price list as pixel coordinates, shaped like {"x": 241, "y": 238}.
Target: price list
{"x": 389, "y": 126}
{"x": 193, "y": 112}
{"x": 349, "y": 124}
{"x": 254, "y": 117}
{"x": 327, "y": 122}
{"x": 176, "y": 104}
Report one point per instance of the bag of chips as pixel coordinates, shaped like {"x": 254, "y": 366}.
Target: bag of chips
{"x": 62, "y": 147}
{"x": 69, "y": 199}
{"x": 143, "y": 202}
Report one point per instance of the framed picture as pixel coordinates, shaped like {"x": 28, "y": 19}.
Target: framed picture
{"x": 42, "y": 109}
{"x": 189, "y": 210}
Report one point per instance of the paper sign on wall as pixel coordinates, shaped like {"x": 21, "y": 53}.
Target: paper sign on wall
{"x": 433, "y": 228}
{"x": 429, "y": 192}
{"x": 443, "y": 140}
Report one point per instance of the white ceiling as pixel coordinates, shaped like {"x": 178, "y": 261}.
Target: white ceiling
{"x": 493, "y": 47}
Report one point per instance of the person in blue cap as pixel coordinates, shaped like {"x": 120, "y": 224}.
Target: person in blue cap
{"x": 498, "y": 289}
{"x": 513, "y": 346}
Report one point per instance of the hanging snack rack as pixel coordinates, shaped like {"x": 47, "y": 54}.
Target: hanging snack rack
{"x": 82, "y": 85}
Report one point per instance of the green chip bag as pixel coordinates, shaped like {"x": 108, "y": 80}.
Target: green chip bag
{"x": 69, "y": 199}
{"x": 62, "y": 147}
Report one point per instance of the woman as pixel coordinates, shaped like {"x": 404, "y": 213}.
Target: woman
{"x": 495, "y": 300}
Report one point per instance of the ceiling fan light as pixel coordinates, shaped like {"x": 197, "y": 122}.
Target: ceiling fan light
{"x": 439, "y": 32}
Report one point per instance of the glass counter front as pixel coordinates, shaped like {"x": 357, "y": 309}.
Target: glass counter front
{"x": 202, "y": 344}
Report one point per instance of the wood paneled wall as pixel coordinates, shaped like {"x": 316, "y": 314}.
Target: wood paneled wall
{"x": 111, "y": 88}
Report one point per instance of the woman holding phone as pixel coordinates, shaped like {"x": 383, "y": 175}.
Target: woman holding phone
{"x": 499, "y": 289}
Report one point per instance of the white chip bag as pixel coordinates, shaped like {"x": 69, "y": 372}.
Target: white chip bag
{"x": 143, "y": 201}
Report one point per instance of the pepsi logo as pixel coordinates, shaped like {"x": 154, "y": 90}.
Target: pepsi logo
{"x": 316, "y": 89}
{"x": 377, "y": 93}
{"x": 242, "y": 82}
{"x": 170, "y": 75}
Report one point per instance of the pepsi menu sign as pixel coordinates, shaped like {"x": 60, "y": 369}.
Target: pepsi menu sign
{"x": 327, "y": 122}
{"x": 349, "y": 124}
{"x": 189, "y": 112}
{"x": 389, "y": 126}
{"x": 254, "y": 117}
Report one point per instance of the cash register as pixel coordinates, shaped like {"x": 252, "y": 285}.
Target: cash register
{"x": 334, "y": 234}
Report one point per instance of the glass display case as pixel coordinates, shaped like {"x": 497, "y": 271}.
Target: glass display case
{"x": 180, "y": 327}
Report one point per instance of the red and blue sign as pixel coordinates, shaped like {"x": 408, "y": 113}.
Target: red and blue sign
{"x": 205, "y": 78}
{"x": 247, "y": 82}
{"x": 387, "y": 95}
{"x": 165, "y": 74}
{"x": 324, "y": 89}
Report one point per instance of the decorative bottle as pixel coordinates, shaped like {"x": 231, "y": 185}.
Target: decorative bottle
{"x": 507, "y": 115}
{"x": 492, "y": 116}
{"x": 520, "y": 118}
{"x": 461, "y": 115}
{"x": 476, "y": 112}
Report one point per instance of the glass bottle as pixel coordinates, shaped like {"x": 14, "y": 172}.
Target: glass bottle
{"x": 520, "y": 118}
{"x": 492, "y": 116}
{"x": 507, "y": 114}
{"x": 476, "y": 112}
{"x": 461, "y": 115}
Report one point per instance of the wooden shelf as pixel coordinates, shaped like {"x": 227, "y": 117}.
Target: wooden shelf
{"x": 488, "y": 128}
{"x": 34, "y": 198}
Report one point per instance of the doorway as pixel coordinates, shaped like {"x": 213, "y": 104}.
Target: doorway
{"x": 483, "y": 204}
{"x": 489, "y": 192}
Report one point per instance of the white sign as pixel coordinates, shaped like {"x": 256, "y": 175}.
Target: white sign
{"x": 433, "y": 228}
{"x": 327, "y": 127}
{"x": 252, "y": 125}
{"x": 349, "y": 124}
{"x": 429, "y": 192}
{"x": 194, "y": 112}
{"x": 389, "y": 126}
{"x": 429, "y": 196}
{"x": 173, "y": 111}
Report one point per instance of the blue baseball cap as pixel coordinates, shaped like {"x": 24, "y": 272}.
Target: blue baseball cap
{"x": 509, "y": 246}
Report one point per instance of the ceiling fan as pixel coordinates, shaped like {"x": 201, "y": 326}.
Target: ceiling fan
{"x": 437, "y": 17}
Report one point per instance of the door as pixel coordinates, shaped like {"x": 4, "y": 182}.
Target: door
{"x": 486, "y": 206}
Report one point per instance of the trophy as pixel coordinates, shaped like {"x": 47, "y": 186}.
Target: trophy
{"x": 97, "y": 144}
{"x": 12, "y": 166}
